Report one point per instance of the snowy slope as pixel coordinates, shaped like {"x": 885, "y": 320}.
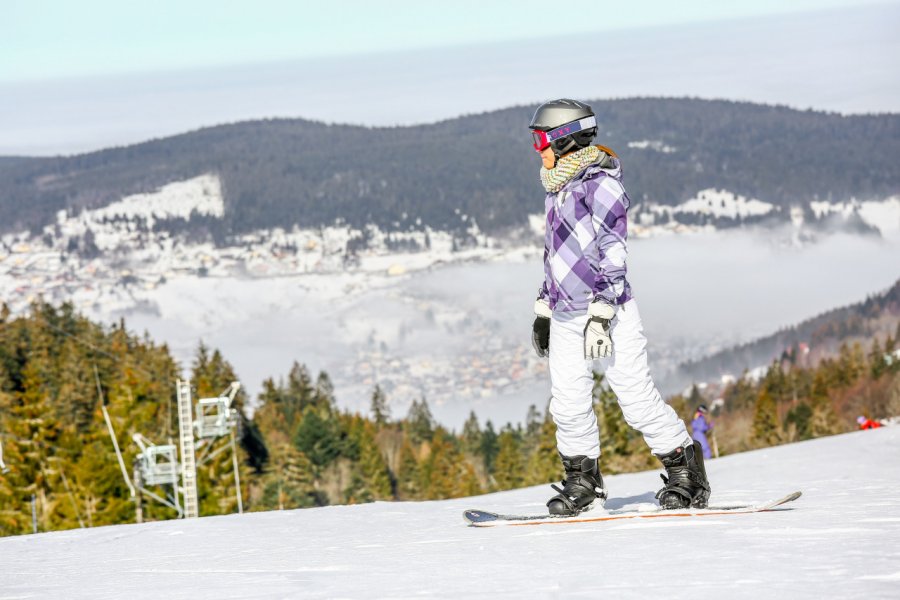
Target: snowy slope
{"x": 841, "y": 539}
{"x": 202, "y": 195}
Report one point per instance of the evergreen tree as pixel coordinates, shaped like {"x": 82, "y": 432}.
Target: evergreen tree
{"x": 444, "y": 473}
{"x": 371, "y": 479}
{"x": 409, "y": 486}
{"x": 765, "y": 420}
{"x": 893, "y": 401}
{"x": 471, "y": 434}
{"x": 533, "y": 422}
{"x": 324, "y": 392}
{"x": 380, "y": 411}
{"x": 35, "y": 431}
{"x": 775, "y": 383}
{"x": 289, "y": 482}
{"x": 14, "y": 518}
{"x": 299, "y": 392}
{"x": 543, "y": 464}
{"x": 488, "y": 446}
{"x": 281, "y": 405}
{"x": 850, "y": 364}
{"x": 877, "y": 364}
{"x": 823, "y": 420}
{"x": 376, "y": 473}
{"x": 740, "y": 394}
{"x": 799, "y": 419}
{"x": 318, "y": 439}
{"x": 509, "y": 466}
{"x": 419, "y": 422}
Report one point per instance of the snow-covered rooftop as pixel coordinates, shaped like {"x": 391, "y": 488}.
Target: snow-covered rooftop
{"x": 722, "y": 203}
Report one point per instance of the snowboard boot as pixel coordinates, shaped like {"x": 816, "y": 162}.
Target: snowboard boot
{"x": 686, "y": 485}
{"x": 582, "y": 486}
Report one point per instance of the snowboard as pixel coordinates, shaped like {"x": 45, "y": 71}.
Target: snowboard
{"x": 480, "y": 518}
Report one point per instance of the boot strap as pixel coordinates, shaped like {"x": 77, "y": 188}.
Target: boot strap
{"x": 675, "y": 490}
{"x": 565, "y": 499}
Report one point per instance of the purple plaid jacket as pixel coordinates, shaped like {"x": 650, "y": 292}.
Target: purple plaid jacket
{"x": 584, "y": 244}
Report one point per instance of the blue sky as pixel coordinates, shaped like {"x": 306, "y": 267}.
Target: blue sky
{"x": 46, "y": 40}
{"x": 106, "y": 75}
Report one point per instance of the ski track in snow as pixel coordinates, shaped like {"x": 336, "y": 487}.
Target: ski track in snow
{"x": 840, "y": 539}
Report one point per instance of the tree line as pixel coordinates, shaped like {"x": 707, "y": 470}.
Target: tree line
{"x": 298, "y": 449}
{"x": 796, "y": 399}
{"x": 822, "y": 335}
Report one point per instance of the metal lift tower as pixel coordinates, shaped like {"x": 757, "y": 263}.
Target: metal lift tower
{"x": 186, "y": 440}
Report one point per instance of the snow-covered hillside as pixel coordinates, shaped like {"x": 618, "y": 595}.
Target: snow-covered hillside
{"x": 840, "y": 540}
{"x": 883, "y": 215}
{"x": 201, "y": 195}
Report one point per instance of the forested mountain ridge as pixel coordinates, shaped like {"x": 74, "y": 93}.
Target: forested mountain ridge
{"x": 282, "y": 172}
{"x": 809, "y": 341}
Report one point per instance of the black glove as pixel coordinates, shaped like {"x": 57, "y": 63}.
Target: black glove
{"x": 540, "y": 336}
{"x": 540, "y": 331}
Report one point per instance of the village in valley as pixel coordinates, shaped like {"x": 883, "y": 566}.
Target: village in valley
{"x": 113, "y": 260}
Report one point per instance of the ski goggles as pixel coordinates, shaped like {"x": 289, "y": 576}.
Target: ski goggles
{"x": 543, "y": 139}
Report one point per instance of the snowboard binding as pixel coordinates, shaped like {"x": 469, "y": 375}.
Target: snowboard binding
{"x": 686, "y": 485}
{"x": 582, "y": 487}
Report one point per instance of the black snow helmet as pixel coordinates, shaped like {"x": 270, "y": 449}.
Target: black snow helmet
{"x": 564, "y": 125}
{"x": 702, "y": 409}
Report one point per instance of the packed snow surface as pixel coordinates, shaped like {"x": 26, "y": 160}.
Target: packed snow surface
{"x": 840, "y": 540}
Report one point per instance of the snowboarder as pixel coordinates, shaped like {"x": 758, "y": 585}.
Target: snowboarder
{"x": 865, "y": 423}
{"x": 585, "y": 311}
{"x": 700, "y": 426}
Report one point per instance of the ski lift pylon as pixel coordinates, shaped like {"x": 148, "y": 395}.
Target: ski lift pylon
{"x": 214, "y": 416}
{"x": 158, "y": 464}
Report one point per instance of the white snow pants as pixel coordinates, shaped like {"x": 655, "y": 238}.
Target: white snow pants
{"x": 572, "y": 382}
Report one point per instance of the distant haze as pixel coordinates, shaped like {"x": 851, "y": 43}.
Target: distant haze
{"x": 845, "y": 60}
{"x": 696, "y": 293}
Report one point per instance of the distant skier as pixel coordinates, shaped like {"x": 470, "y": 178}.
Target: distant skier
{"x": 700, "y": 426}
{"x": 865, "y": 423}
{"x": 585, "y": 311}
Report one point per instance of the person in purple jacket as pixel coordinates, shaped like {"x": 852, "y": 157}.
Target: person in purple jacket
{"x": 700, "y": 426}
{"x": 586, "y": 310}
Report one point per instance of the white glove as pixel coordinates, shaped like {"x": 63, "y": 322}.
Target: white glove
{"x": 597, "y": 343}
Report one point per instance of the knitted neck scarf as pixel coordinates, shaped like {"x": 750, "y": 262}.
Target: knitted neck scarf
{"x": 567, "y": 167}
